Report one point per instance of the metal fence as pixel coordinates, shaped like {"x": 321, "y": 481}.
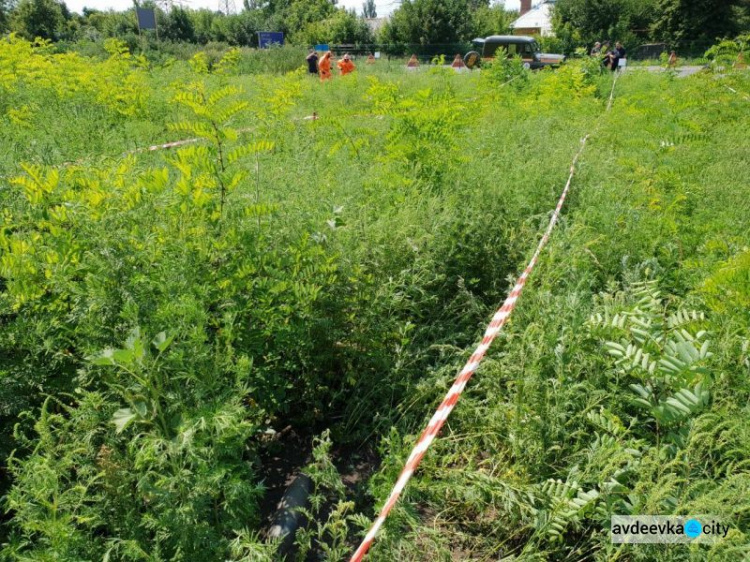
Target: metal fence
{"x": 691, "y": 49}
{"x": 424, "y": 53}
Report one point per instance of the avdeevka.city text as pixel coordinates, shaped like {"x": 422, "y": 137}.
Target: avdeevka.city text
{"x": 668, "y": 528}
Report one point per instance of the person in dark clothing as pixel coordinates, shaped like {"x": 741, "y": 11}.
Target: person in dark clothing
{"x": 617, "y": 54}
{"x": 312, "y": 62}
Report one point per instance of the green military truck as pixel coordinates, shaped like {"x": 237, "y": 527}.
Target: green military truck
{"x": 510, "y": 46}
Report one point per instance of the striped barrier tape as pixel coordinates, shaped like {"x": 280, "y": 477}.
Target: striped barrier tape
{"x": 450, "y": 400}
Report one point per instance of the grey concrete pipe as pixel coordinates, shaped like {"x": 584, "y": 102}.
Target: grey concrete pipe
{"x": 287, "y": 519}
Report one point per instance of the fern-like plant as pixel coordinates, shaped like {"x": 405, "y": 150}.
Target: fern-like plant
{"x": 662, "y": 356}
{"x": 212, "y": 115}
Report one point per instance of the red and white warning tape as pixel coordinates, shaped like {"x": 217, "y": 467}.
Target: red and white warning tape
{"x": 449, "y": 402}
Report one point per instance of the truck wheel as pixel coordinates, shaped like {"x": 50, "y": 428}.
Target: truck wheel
{"x": 472, "y": 59}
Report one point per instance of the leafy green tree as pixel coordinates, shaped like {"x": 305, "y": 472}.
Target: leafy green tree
{"x": 742, "y": 9}
{"x": 300, "y": 13}
{"x": 177, "y": 25}
{"x": 37, "y": 18}
{"x": 430, "y": 21}
{"x": 238, "y": 29}
{"x": 5, "y": 8}
{"x": 342, "y": 27}
{"x": 202, "y": 24}
{"x": 119, "y": 24}
{"x": 491, "y": 20}
{"x": 583, "y": 22}
{"x": 684, "y": 22}
{"x": 369, "y": 10}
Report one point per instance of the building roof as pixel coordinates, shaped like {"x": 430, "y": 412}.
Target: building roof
{"x": 539, "y": 17}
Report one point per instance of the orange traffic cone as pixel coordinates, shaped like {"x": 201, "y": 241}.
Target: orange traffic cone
{"x": 458, "y": 63}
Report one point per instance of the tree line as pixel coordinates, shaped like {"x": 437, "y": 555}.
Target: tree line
{"x": 577, "y": 23}
{"x": 304, "y": 22}
{"x": 682, "y": 24}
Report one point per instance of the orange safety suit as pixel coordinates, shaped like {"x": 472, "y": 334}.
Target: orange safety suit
{"x": 346, "y": 66}
{"x": 324, "y": 66}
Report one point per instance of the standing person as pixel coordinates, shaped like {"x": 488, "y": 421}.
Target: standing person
{"x": 597, "y": 49}
{"x": 312, "y": 62}
{"x": 324, "y": 66}
{"x": 617, "y": 54}
{"x": 346, "y": 65}
{"x": 672, "y": 62}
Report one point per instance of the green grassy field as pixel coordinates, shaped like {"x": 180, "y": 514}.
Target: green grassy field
{"x": 163, "y": 311}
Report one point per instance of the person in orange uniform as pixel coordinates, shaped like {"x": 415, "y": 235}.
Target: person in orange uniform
{"x": 324, "y": 66}
{"x": 346, "y": 65}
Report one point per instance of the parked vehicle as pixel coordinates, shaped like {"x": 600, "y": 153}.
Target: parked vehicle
{"x": 510, "y": 46}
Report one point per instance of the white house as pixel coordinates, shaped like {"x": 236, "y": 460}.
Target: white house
{"x": 535, "y": 20}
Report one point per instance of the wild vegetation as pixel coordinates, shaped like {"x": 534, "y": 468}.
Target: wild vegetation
{"x": 162, "y": 312}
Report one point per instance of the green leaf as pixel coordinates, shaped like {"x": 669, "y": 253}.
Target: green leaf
{"x": 122, "y": 419}
{"x": 135, "y": 343}
{"x": 141, "y": 408}
{"x": 675, "y": 403}
{"x": 105, "y": 358}
{"x": 162, "y": 341}
{"x": 123, "y": 356}
{"x": 640, "y": 390}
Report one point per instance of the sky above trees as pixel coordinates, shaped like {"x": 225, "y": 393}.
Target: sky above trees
{"x": 384, "y": 7}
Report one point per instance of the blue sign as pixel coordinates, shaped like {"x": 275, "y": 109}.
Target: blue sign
{"x": 322, "y": 47}
{"x": 268, "y": 38}
{"x": 146, "y": 18}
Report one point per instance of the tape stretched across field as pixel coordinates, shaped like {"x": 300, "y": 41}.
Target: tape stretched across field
{"x": 448, "y": 403}
{"x": 450, "y": 400}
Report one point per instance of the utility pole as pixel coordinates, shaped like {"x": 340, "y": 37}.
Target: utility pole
{"x": 227, "y": 7}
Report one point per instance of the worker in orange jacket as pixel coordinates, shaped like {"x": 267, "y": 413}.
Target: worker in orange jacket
{"x": 346, "y": 65}
{"x": 324, "y": 67}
